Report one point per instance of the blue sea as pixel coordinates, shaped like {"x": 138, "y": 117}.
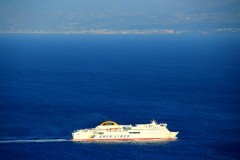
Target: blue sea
{"x": 51, "y": 85}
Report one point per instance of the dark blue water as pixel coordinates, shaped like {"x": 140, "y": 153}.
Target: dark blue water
{"x": 51, "y": 85}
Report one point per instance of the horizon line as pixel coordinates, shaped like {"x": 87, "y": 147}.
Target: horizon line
{"x": 127, "y": 31}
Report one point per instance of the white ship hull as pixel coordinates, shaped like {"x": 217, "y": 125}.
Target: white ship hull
{"x": 117, "y": 132}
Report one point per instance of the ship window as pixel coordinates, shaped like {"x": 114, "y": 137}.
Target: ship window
{"x": 107, "y": 123}
{"x": 134, "y": 132}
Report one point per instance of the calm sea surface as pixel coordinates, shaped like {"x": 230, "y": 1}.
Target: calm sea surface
{"x": 51, "y": 85}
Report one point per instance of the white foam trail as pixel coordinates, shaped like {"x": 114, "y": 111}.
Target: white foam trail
{"x": 34, "y": 140}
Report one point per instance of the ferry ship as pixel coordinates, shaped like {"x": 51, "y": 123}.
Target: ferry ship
{"x": 110, "y": 130}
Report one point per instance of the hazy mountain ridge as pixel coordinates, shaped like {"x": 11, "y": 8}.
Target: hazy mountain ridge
{"x": 110, "y": 16}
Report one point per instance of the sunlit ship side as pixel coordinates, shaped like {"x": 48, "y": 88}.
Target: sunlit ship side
{"x": 110, "y": 130}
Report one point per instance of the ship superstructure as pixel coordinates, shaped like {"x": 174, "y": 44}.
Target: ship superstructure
{"x": 110, "y": 130}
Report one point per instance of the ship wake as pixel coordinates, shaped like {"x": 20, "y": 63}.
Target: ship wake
{"x": 34, "y": 140}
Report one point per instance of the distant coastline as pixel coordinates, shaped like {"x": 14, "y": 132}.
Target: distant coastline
{"x": 130, "y": 31}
